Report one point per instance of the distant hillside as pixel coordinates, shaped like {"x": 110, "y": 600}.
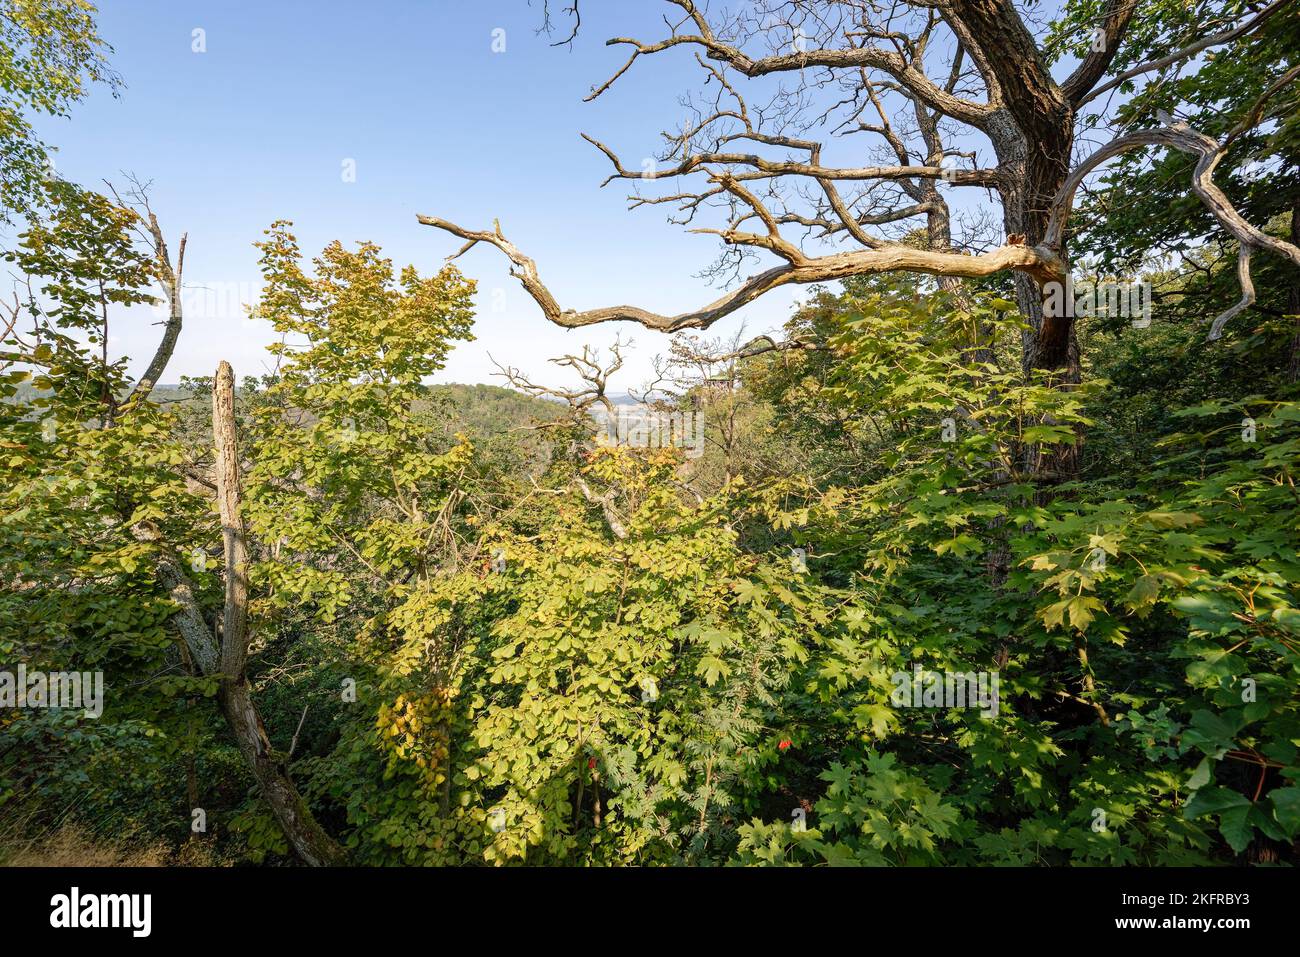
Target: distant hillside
{"x": 495, "y": 419}
{"x": 488, "y": 414}
{"x": 480, "y": 408}
{"x": 491, "y": 409}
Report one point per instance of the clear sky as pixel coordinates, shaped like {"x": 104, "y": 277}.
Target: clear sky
{"x": 260, "y": 125}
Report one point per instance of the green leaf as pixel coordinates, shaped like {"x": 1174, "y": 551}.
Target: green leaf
{"x": 1213, "y": 801}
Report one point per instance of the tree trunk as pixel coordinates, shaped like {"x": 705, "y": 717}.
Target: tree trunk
{"x": 171, "y": 280}
{"x": 309, "y": 841}
{"x": 1035, "y": 172}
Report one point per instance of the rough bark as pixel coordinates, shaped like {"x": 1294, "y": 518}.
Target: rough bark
{"x": 1031, "y": 128}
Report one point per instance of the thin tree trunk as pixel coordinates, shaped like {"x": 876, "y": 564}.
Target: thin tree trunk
{"x": 309, "y": 841}
{"x": 171, "y": 280}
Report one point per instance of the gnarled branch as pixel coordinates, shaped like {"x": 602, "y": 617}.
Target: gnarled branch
{"x": 1039, "y": 262}
{"x": 1178, "y": 135}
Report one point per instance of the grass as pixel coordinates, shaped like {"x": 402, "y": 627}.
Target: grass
{"x": 72, "y": 845}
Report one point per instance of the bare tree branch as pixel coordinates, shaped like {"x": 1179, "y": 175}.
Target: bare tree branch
{"x": 1039, "y": 262}
{"x": 168, "y": 276}
{"x": 1178, "y": 135}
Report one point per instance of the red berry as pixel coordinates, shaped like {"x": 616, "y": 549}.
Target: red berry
{"x": 785, "y": 743}
{"x": 591, "y": 763}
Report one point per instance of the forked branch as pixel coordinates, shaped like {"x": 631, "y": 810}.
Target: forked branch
{"x": 1036, "y": 261}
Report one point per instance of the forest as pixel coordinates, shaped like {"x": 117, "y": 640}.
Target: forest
{"x": 986, "y": 554}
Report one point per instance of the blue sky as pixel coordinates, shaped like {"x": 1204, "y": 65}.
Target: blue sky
{"x": 410, "y": 93}
{"x": 258, "y": 128}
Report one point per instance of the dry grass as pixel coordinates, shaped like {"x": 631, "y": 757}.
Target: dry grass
{"x": 73, "y": 846}
{"x": 70, "y": 846}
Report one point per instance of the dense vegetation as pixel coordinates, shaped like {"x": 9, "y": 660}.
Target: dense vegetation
{"x": 482, "y": 634}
